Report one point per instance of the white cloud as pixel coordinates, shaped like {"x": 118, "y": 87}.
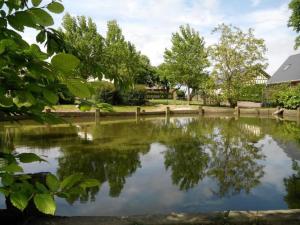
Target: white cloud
{"x": 150, "y": 23}
{"x": 255, "y": 2}
{"x": 271, "y": 25}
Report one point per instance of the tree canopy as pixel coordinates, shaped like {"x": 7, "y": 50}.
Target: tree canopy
{"x": 83, "y": 41}
{"x": 237, "y": 58}
{"x": 294, "y": 20}
{"x": 187, "y": 59}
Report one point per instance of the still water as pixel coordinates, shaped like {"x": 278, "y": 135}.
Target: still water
{"x": 158, "y": 165}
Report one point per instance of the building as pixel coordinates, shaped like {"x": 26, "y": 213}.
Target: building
{"x": 262, "y": 77}
{"x": 289, "y": 72}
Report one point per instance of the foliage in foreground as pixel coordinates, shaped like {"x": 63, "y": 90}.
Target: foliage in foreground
{"x": 30, "y": 80}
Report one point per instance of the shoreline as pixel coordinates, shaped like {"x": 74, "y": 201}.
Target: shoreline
{"x": 274, "y": 217}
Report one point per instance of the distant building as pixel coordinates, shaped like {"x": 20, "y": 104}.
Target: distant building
{"x": 289, "y": 72}
{"x": 262, "y": 77}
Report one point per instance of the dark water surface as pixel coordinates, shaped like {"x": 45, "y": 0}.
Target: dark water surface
{"x": 158, "y": 165}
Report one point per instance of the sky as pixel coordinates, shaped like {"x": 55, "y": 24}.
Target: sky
{"x": 149, "y": 24}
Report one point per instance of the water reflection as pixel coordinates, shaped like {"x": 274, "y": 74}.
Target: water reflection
{"x": 226, "y": 157}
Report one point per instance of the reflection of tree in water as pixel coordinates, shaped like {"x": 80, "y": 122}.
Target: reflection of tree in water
{"x": 111, "y": 156}
{"x": 187, "y": 161}
{"x": 112, "y": 166}
{"x": 185, "y": 156}
{"x": 223, "y": 149}
{"x": 232, "y": 158}
{"x": 292, "y": 186}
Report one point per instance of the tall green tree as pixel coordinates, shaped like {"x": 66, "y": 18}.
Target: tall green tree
{"x": 237, "y": 59}
{"x": 117, "y": 56}
{"x": 187, "y": 59}
{"x": 294, "y": 20}
{"x": 83, "y": 41}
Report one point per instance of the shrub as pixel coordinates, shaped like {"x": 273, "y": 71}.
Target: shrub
{"x": 289, "y": 98}
{"x": 271, "y": 94}
{"x": 253, "y": 93}
{"x": 180, "y": 94}
{"x": 105, "y": 92}
{"x": 283, "y": 95}
{"x": 136, "y": 96}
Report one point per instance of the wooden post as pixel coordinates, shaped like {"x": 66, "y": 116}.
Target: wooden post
{"x": 237, "y": 111}
{"x": 201, "y": 111}
{"x": 138, "y": 111}
{"x": 258, "y": 112}
{"x": 168, "y": 111}
{"x": 97, "y": 115}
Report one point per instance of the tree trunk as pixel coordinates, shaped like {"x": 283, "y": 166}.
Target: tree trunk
{"x": 188, "y": 95}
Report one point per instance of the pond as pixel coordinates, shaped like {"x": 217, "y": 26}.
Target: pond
{"x": 158, "y": 165}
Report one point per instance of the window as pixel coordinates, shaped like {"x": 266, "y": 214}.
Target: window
{"x": 286, "y": 67}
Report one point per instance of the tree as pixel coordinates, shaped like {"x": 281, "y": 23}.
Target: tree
{"x": 294, "y": 20}
{"x": 238, "y": 56}
{"x": 146, "y": 73}
{"x": 83, "y": 41}
{"x": 118, "y": 56}
{"x": 187, "y": 59}
{"x": 30, "y": 80}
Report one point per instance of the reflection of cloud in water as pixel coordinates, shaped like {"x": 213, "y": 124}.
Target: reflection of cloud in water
{"x": 277, "y": 165}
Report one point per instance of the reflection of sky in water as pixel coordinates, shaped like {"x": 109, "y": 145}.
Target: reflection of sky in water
{"x": 151, "y": 190}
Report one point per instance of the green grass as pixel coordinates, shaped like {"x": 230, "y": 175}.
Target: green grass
{"x": 172, "y": 102}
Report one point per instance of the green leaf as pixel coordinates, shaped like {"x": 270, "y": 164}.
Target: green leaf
{"x": 13, "y": 168}
{"x": 41, "y": 37}
{"x": 15, "y": 23}
{"x": 45, "y": 203}
{"x": 88, "y": 183}
{"x": 24, "y": 99}
{"x": 29, "y": 158}
{"x": 7, "y": 179}
{"x": 36, "y": 2}
{"x": 65, "y": 62}
{"x": 78, "y": 88}
{"x": 6, "y": 102}
{"x": 19, "y": 200}
{"x": 41, "y": 188}
{"x": 55, "y": 7}
{"x": 70, "y": 181}
{"x": 42, "y": 17}
{"x": 50, "y": 96}
{"x": 4, "y": 191}
{"x": 2, "y": 48}
{"x": 52, "y": 182}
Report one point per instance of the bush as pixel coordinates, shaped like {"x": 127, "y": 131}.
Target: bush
{"x": 283, "y": 95}
{"x": 105, "y": 92}
{"x": 252, "y": 93}
{"x": 136, "y": 96}
{"x": 289, "y": 98}
{"x": 271, "y": 94}
{"x": 180, "y": 94}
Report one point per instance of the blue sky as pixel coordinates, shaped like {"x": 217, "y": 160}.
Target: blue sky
{"x": 150, "y": 23}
